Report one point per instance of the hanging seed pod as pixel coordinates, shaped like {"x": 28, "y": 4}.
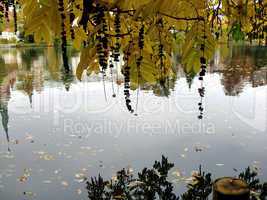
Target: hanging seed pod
{"x": 141, "y": 44}
{"x": 101, "y": 38}
{"x": 72, "y": 18}
{"x": 6, "y": 3}
{"x": 201, "y": 91}
{"x": 117, "y": 25}
{"x": 63, "y": 17}
{"x": 161, "y": 52}
{"x": 126, "y": 74}
{"x": 141, "y": 37}
{"x": 202, "y": 73}
{"x": 13, "y": 2}
{"x": 111, "y": 67}
{"x": 2, "y": 11}
{"x": 203, "y": 60}
{"x": 61, "y": 9}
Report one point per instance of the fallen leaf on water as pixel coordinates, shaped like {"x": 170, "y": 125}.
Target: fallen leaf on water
{"x": 199, "y": 148}
{"x": 23, "y": 179}
{"x": 25, "y": 176}
{"x": 65, "y": 183}
{"x": 48, "y": 157}
{"x": 79, "y": 191}
{"x": 29, "y": 194}
{"x": 176, "y": 173}
{"x": 80, "y": 177}
{"x": 84, "y": 169}
{"x": 28, "y": 137}
{"x": 44, "y": 155}
{"x": 114, "y": 178}
{"x": 183, "y": 155}
{"x": 57, "y": 171}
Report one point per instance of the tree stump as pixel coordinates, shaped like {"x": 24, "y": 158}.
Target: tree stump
{"x": 228, "y": 188}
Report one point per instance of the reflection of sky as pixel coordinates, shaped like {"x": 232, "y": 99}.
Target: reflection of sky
{"x": 82, "y": 130}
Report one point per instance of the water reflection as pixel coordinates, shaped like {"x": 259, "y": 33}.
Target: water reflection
{"x": 27, "y": 70}
{"x": 31, "y": 67}
{"x": 240, "y": 66}
{"x": 30, "y": 77}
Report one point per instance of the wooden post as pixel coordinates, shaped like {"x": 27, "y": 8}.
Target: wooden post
{"x": 228, "y": 188}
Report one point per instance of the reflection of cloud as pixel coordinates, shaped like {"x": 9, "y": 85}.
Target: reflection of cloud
{"x": 259, "y": 118}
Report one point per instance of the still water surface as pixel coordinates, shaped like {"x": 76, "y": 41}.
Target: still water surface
{"x": 56, "y": 130}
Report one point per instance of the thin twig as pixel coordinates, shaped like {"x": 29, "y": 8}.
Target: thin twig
{"x": 183, "y": 18}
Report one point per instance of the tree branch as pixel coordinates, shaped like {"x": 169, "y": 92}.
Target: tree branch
{"x": 183, "y": 18}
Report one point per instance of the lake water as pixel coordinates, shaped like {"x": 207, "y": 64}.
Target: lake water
{"x": 56, "y": 130}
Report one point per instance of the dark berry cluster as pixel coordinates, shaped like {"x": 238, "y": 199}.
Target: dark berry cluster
{"x": 63, "y": 18}
{"x": 161, "y": 47}
{"x": 117, "y": 25}
{"x": 161, "y": 53}
{"x": 111, "y": 67}
{"x": 2, "y": 11}
{"x": 5, "y": 2}
{"x": 203, "y": 64}
{"x": 4, "y": 6}
{"x": 203, "y": 67}
{"x": 141, "y": 37}
{"x": 72, "y": 18}
{"x": 201, "y": 92}
{"x": 13, "y": 2}
{"x": 141, "y": 44}
{"x": 127, "y": 79}
{"x": 61, "y": 9}
{"x": 102, "y": 40}
{"x": 78, "y": 7}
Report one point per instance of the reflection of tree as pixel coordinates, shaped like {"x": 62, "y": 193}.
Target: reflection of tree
{"x": 237, "y": 70}
{"x": 190, "y": 78}
{"x": 240, "y": 65}
{"x": 164, "y": 87}
{"x": 30, "y": 75}
{"x": 28, "y": 55}
{"x": 53, "y": 63}
{"x": 67, "y": 79}
{"x": 5, "y": 118}
{"x": 7, "y": 81}
{"x": 153, "y": 183}
{"x": 259, "y": 77}
{"x": 2, "y": 70}
{"x": 26, "y": 84}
